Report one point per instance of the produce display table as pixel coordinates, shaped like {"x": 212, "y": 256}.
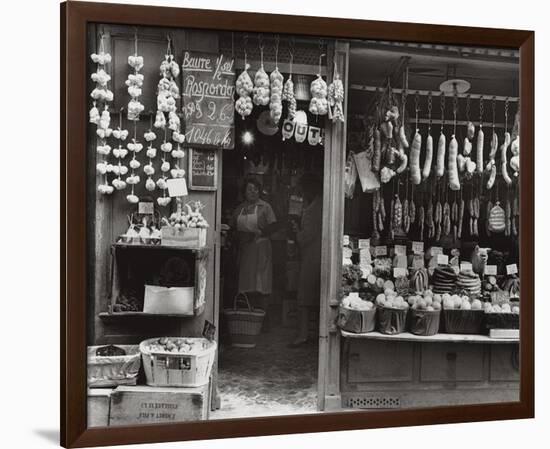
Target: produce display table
{"x": 406, "y": 370}
{"x": 452, "y": 338}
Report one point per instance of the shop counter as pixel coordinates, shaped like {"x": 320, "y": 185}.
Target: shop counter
{"x": 406, "y": 370}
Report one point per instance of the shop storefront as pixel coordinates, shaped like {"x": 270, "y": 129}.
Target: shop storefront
{"x": 182, "y": 121}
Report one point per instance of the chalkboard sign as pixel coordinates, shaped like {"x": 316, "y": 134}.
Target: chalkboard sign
{"x": 208, "y": 91}
{"x": 203, "y": 169}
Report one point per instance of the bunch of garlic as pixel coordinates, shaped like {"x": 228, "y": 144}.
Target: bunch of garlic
{"x": 101, "y": 92}
{"x": 276, "y": 100}
{"x": 134, "y": 83}
{"x": 336, "y": 98}
{"x": 244, "y": 88}
{"x": 120, "y": 153}
{"x": 261, "y": 88}
{"x": 288, "y": 95}
{"x": 167, "y": 94}
{"x": 318, "y": 104}
{"x": 102, "y": 96}
{"x": 151, "y": 153}
{"x": 134, "y": 147}
{"x": 104, "y": 150}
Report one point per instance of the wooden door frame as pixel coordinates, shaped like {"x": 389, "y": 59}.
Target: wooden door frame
{"x": 328, "y": 380}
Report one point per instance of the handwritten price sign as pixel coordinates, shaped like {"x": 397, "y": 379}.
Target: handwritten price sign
{"x": 208, "y": 91}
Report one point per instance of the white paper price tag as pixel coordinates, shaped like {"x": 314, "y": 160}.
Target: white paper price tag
{"x": 177, "y": 187}
{"x": 511, "y": 269}
{"x": 465, "y": 266}
{"x": 418, "y": 263}
{"x": 364, "y": 243}
{"x": 442, "y": 259}
{"x": 490, "y": 270}
{"x": 418, "y": 247}
{"x": 436, "y": 250}
{"x": 345, "y": 240}
{"x": 146, "y": 207}
{"x": 380, "y": 250}
{"x": 400, "y": 250}
{"x": 400, "y": 272}
{"x": 364, "y": 255}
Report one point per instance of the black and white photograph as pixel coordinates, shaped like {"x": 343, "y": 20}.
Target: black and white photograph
{"x": 284, "y": 225}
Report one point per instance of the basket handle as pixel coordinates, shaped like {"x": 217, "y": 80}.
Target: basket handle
{"x": 236, "y": 300}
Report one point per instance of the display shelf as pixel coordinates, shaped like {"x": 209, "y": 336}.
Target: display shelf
{"x": 451, "y": 338}
{"x": 123, "y": 315}
{"x": 120, "y": 245}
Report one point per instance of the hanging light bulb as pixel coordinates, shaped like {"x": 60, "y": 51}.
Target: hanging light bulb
{"x": 247, "y": 138}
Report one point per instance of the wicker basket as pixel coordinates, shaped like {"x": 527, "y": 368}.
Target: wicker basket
{"x": 357, "y": 321}
{"x": 458, "y": 321}
{"x": 168, "y": 369}
{"x": 391, "y": 321}
{"x": 424, "y": 322}
{"x": 111, "y": 371}
{"x": 244, "y": 324}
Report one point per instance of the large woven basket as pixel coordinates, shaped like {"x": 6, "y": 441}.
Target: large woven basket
{"x": 243, "y": 323}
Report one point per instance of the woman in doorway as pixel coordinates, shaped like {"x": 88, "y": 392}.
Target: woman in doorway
{"x": 309, "y": 241}
{"x": 255, "y": 221}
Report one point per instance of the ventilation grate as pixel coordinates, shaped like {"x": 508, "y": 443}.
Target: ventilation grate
{"x": 374, "y": 402}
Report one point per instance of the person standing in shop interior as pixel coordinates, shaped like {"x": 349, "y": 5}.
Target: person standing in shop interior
{"x": 255, "y": 221}
{"x": 309, "y": 236}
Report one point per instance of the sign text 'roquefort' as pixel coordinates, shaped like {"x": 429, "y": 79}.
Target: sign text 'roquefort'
{"x": 208, "y": 90}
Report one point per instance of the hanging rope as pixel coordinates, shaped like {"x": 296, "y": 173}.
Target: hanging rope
{"x": 276, "y": 51}
{"x": 442, "y": 107}
{"x": 429, "y": 113}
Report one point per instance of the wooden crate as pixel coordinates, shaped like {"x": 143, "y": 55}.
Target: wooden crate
{"x": 151, "y": 405}
{"x": 99, "y": 402}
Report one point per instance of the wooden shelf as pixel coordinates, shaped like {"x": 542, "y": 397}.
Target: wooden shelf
{"x": 438, "y": 338}
{"x": 122, "y": 315}
{"x": 159, "y": 247}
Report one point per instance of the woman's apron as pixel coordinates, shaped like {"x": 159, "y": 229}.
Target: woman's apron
{"x": 255, "y": 259}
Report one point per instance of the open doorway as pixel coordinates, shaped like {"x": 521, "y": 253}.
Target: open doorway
{"x": 273, "y": 185}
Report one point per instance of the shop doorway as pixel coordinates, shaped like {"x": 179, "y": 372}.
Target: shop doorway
{"x": 277, "y": 373}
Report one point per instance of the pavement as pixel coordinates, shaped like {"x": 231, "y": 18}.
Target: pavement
{"x": 270, "y": 379}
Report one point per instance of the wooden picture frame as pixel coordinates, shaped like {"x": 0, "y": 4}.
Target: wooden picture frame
{"x": 193, "y": 184}
{"x": 76, "y": 275}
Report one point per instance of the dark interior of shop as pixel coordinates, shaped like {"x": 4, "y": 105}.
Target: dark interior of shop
{"x": 284, "y": 377}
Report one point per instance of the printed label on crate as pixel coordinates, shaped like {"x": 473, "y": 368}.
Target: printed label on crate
{"x": 364, "y": 243}
{"x": 442, "y": 259}
{"x": 465, "y": 266}
{"x": 400, "y": 272}
{"x": 400, "y": 250}
{"x": 380, "y": 250}
{"x": 490, "y": 270}
{"x": 146, "y": 207}
{"x": 436, "y": 250}
{"x": 177, "y": 187}
{"x": 418, "y": 247}
{"x": 511, "y": 269}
